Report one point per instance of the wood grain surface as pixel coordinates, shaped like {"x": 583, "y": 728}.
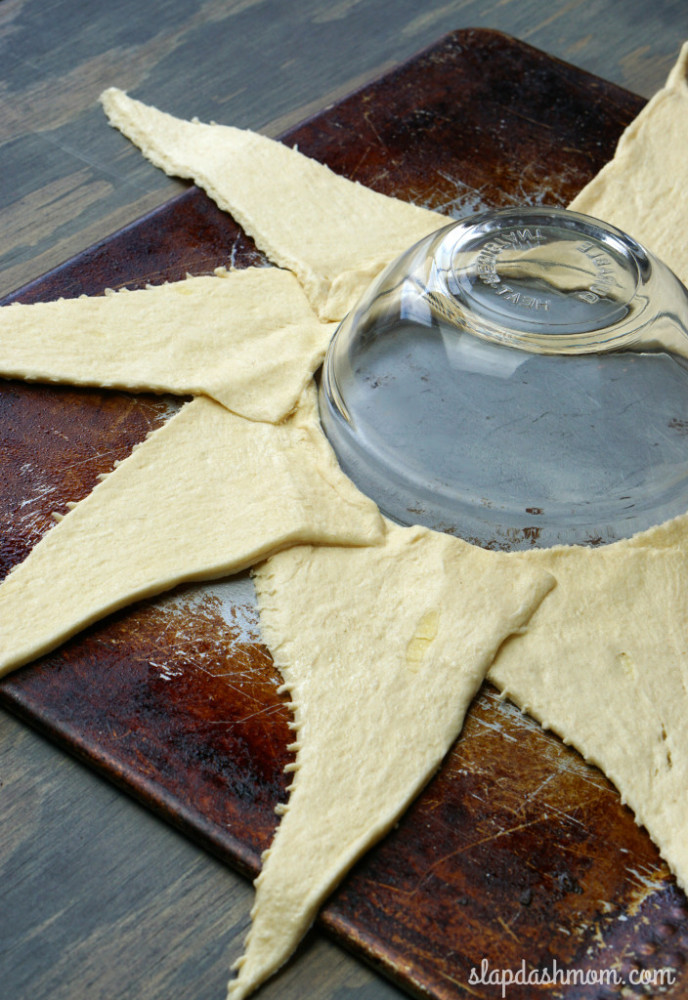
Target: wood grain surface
{"x": 99, "y": 899}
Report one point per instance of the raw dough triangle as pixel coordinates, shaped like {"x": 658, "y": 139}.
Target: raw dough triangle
{"x": 183, "y": 506}
{"x": 248, "y": 339}
{"x": 604, "y": 663}
{"x": 334, "y": 234}
{"x": 382, "y": 650}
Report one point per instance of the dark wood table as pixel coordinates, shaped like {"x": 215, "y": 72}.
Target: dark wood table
{"x": 99, "y": 898}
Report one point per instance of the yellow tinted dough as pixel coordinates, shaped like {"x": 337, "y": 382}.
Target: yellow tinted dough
{"x": 247, "y": 338}
{"x": 604, "y": 663}
{"x": 643, "y": 189}
{"x": 382, "y": 650}
{"x": 206, "y": 495}
{"x": 335, "y": 235}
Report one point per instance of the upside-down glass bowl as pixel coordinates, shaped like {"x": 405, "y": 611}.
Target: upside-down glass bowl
{"x": 517, "y": 379}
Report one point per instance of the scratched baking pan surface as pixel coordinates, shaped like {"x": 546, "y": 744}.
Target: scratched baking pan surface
{"x": 517, "y": 851}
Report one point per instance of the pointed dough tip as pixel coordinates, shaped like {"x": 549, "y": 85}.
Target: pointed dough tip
{"x": 678, "y": 77}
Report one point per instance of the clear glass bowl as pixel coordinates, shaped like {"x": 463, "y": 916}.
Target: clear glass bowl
{"x": 517, "y": 379}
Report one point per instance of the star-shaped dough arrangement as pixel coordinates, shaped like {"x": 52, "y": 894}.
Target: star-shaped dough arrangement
{"x": 382, "y": 634}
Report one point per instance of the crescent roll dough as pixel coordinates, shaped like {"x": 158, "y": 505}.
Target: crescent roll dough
{"x": 248, "y": 339}
{"x": 335, "y": 235}
{"x": 183, "y": 506}
{"x": 381, "y": 666}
